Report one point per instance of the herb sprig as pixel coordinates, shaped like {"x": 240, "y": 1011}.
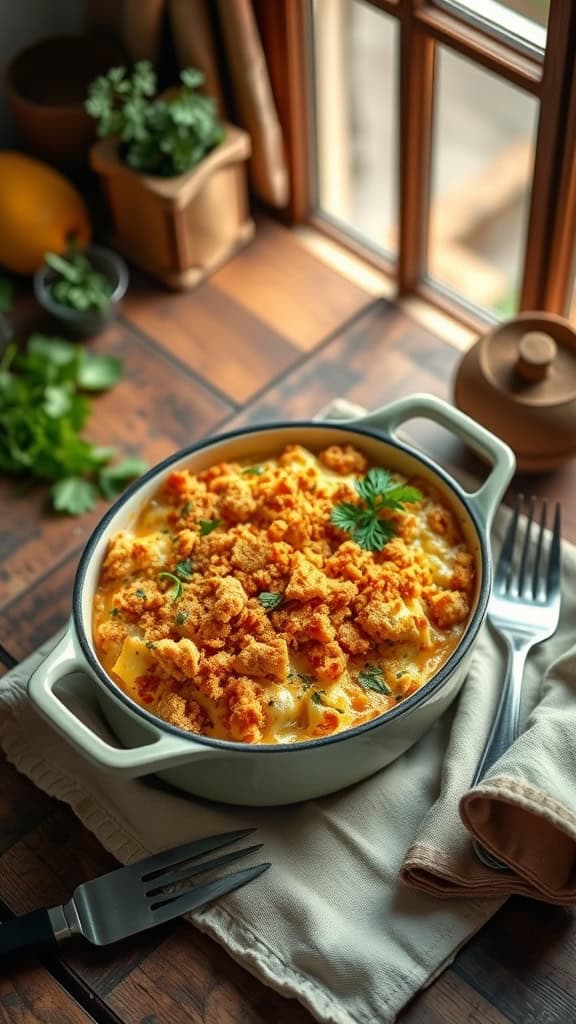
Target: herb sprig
{"x": 44, "y": 405}
{"x": 364, "y": 521}
{"x": 372, "y": 678}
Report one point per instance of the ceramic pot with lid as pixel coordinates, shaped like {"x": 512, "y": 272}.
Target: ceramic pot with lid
{"x": 519, "y": 380}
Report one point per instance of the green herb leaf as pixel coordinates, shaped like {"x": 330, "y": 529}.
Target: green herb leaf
{"x": 366, "y": 525}
{"x": 181, "y": 618}
{"x": 161, "y": 135}
{"x": 98, "y": 373}
{"x": 184, "y": 570}
{"x": 186, "y": 508}
{"x": 73, "y": 496}
{"x": 113, "y": 479}
{"x": 270, "y": 600}
{"x": 253, "y": 471}
{"x": 316, "y": 698}
{"x": 208, "y": 525}
{"x": 372, "y": 678}
{"x": 177, "y": 588}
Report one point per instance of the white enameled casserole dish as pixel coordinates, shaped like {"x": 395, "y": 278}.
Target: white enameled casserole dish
{"x": 272, "y": 774}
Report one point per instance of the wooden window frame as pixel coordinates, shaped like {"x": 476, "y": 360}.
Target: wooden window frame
{"x": 549, "y": 261}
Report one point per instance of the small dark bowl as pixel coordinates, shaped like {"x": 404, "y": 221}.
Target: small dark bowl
{"x": 85, "y": 323}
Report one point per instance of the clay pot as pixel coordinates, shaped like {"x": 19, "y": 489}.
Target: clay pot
{"x": 179, "y": 229}
{"x": 46, "y": 86}
{"x": 519, "y": 380}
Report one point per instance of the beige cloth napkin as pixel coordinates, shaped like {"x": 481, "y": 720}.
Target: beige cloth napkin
{"x": 332, "y": 924}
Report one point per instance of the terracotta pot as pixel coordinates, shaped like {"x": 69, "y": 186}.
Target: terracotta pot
{"x": 46, "y": 86}
{"x": 179, "y": 229}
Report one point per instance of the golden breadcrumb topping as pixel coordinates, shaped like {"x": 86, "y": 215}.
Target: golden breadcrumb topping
{"x": 237, "y": 609}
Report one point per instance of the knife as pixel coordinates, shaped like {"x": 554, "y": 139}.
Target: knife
{"x": 133, "y": 898}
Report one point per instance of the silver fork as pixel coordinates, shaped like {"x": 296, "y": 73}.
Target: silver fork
{"x": 524, "y": 609}
{"x": 133, "y": 898}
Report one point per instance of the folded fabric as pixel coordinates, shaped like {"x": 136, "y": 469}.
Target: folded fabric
{"x": 524, "y": 811}
{"x": 332, "y": 924}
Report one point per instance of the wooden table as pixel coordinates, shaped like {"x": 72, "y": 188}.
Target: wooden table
{"x": 274, "y": 334}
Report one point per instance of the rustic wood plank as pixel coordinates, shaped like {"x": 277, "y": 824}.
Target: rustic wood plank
{"x": 29, "y": 995}
{"x": 33, "y": 542}
{"x": 22, "y": 806}
{"x": 212, "y": 334}
{"x": 288, "y": 288}
{"x": 451, "y": 1001}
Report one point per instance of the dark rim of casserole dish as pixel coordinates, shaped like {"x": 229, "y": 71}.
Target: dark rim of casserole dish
{"x": 420, "y": 696}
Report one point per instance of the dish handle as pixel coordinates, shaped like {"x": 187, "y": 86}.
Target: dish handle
{"x": 487, "y": 497}
{"x": 161, "y": 751}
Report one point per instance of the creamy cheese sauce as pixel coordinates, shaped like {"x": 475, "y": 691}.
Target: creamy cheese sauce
{"x": 236, "y": 609}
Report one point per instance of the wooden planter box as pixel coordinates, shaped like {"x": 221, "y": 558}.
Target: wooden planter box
{"x": 179, "y": 229}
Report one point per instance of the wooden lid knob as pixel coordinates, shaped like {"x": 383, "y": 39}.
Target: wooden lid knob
{"x": 536, "y": 353}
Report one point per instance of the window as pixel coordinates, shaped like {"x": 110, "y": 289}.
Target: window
{"x": 441, "y": 136}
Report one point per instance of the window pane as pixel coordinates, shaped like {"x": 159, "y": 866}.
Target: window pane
{"x": 355, "y": 71}
{"x": 522, "y": 20}
{"x": 483, "y": 149}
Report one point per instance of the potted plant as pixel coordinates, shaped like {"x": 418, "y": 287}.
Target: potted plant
{"x": 173, "y": 174}
{"x": 82, "y": 288}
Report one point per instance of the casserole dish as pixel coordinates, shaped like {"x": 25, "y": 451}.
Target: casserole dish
{"x": 261, "y": 774}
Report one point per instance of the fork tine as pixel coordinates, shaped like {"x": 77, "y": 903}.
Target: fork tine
{"x": 183, "y": 873}
{"x": 167, "y": 909}
{"x": 502, "y": 574}
{"x": 526, "y": 545}
{"x": 537, "y": 559}
{"x": 553, "y": 576}
{"x": 147, "y": 869}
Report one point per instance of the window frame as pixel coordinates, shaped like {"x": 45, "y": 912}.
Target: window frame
{"x": 549, "y": 252}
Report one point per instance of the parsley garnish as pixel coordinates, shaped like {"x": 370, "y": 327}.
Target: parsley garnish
{"x": 207, "y": 525}
{"x": 44, "y": 406}
{"x": 270, "y": 600}
{"x": 377, "y": 491}
{"x": 181, "y": 618}
{"x": 141, "y": 594}
{"x": 184, "y": 570}
{"x": 372, "y": 678}
{"x": 177, "y": 588}
{"x": 253, "y": 470}
{"x": 186, "y": 508}
{"x": 316, "y": 698}
{"x": 114, "y": 612}
{"x": 306, "y": 679}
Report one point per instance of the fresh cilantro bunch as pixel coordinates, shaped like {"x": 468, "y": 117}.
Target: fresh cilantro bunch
{"x": 164, "y": 135}
{"x": 364, "y": 521}
{"x": 76, "y": 283}
{"x": 43, "y": 408}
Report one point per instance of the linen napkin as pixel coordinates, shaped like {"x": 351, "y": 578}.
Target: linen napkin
{"x": 336, "y": 887}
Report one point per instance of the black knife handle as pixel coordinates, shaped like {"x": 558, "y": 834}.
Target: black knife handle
{"x": 26, "y": 933}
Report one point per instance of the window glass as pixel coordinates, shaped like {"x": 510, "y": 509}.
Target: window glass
{"x": 524, "y": 21}
{"x": 355, "y": 78}
{"x": 482, "y": 158}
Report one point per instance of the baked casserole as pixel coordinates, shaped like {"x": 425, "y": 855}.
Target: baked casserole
{"x": 283, "y": 600}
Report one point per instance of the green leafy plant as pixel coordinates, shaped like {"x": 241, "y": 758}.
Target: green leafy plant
{"x": 43, "y": 408}
{"x": 372, "y": 678}
{"x": 364, "y": 521}
{"x": 76, "y": 283}
{"x": 162, "y": 135}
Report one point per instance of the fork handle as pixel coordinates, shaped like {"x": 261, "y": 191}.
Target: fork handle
{"x": 505, "y": 725}
{"x": 26, "y": 934}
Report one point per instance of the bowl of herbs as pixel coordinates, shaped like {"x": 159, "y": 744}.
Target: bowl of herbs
{"x": 82, "y": 288}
